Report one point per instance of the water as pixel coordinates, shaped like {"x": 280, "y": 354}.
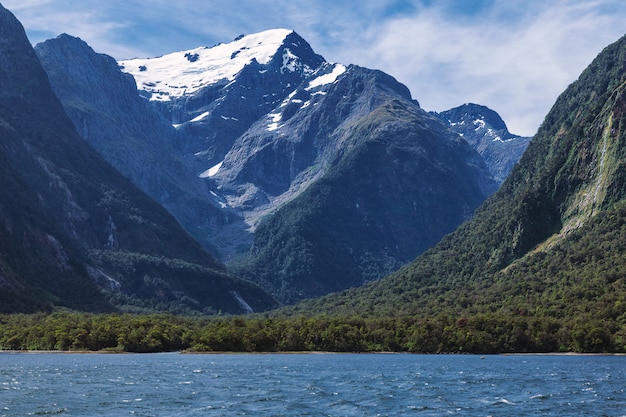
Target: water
{"x": 311, "y": 385}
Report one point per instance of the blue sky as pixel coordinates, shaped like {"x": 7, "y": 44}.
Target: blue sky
{"x": 515, "y": 56}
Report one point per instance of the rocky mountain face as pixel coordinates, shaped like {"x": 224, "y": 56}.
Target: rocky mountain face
{"x": 74, "y": 232}
{"x": 486, "y": 132}
{"x": 306, "y": 162}
{"x": 104, "y": 105}
{"x": 549, "y": 243}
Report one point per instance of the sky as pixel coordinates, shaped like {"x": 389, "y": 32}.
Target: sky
{"x": 514, "y": 56}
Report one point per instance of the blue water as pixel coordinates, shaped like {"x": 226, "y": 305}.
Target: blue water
{"x": 311, "y": 385}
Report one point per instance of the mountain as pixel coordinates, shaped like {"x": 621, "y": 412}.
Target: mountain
{"x": 371, "y": 180}
{"x": 550, "y": 243}
{"x": 166, "y": 144}
{"x": 103, "y": 104}
{"x": 74, "y": 232}
{"x": 324, "y": 176}
{"x": 338, "y": 174}
{"x": 485, "y": 130}
{"x": 213, "y": 95}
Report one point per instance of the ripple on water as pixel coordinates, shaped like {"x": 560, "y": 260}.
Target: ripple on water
{"x": 175, "y": 385}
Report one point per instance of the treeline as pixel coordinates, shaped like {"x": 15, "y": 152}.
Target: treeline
{"x": 487, "y": 333}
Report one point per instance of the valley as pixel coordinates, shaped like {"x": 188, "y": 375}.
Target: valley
{"x": 315, "y": 204}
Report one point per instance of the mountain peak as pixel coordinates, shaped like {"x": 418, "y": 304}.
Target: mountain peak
{"x": 20, "y": 72}
{"x": 475, "y": 112}
{"x": 485, "y": 131}
{"x": 186, "y": 72}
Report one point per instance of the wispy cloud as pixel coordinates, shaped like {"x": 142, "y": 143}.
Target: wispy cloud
{"x": 516, "y": 66}
{"x": 44, "y": 19}
{"x": 515, "y": 56}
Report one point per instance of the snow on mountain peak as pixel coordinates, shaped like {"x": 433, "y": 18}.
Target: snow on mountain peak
{"x": 185, "y": 72}
{"x": 329, "y": 78}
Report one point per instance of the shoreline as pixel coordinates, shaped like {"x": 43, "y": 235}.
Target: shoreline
{"x": 184, "y": 352}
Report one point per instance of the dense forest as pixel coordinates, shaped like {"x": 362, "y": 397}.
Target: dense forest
{"x": 481, "y": 333}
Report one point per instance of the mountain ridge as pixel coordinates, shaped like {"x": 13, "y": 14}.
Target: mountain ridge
{"x": 106, "y": 110}
{"x": 263, "y": 79}
{"x": 410, "y": 182}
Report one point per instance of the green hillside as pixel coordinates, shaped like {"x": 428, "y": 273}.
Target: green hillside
{"x": 550, "y": 243}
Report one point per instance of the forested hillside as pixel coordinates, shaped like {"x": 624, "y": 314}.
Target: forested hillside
{"x": 549, "y": 243}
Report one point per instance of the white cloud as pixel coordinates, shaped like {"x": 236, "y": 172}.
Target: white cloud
{"x": 514, "y": 56}
{"x": 44, "y": 19}
{"x": 518, "y": 68}
{"x": 17, "y": 5}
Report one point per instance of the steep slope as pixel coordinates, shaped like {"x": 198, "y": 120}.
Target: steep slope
{"x": 485, "y": 130}
{"x": 372, "y": 180}
{"x": 74, "y": 232}
{"x": 103, "y": 103}
{"x": 550, "y": 242}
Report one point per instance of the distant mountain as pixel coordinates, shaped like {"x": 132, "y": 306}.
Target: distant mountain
{"x": 74, "y": 232}
{"x": 485, "y": 130}
{"x": 167, "y": 144}
{"x": 550, "y": 243}
{"x": 280, "y": 138}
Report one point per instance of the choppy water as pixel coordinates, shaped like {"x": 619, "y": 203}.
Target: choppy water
{"x": 311, "y": 385}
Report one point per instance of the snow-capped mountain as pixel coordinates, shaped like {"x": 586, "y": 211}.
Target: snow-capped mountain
{"x": 326, "y": 175}
{"x": 213, "y": 95}
{"x": 184, "y": 73}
